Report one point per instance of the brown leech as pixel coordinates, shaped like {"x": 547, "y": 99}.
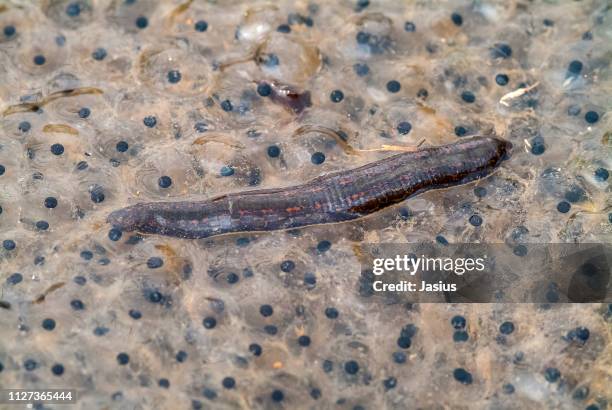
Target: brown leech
{"x": 337, "y": 197}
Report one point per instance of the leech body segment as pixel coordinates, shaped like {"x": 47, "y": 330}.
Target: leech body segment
{"x": 336, "y": 197}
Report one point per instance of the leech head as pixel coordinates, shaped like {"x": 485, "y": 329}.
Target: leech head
{"x": 500, "y": 152}
{"x": 496, "y": 150}
{"x": 129, "y": 219}
{"x": 505, "y": 149}
{"x": 484, "y": 155}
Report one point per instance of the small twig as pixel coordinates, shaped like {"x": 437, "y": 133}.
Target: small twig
{"x": 394, "y": 148}
{"x": 517, "y": 93}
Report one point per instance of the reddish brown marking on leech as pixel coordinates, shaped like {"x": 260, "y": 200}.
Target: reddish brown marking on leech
{"x": 336, "y": 197}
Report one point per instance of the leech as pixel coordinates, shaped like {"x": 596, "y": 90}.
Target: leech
{"x": 336, "y": 197}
